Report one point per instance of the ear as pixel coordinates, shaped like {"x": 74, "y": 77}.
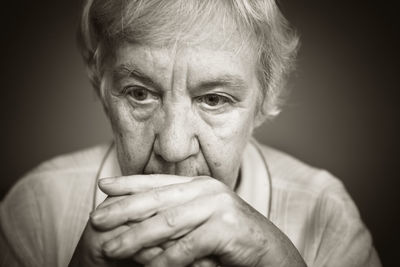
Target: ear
{"x": 259, "y": 120}
{"x": 263, "y": 116}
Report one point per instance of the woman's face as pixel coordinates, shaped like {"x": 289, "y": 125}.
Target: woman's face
{"x": 183, "y": 111}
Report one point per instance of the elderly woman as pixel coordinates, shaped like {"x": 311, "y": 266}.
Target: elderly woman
{"x": 184, "y": 84}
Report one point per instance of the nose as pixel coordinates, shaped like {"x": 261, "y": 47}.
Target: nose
{"x": 176, "y": 137}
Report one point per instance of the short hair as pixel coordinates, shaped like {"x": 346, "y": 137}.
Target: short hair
{"x": 104, "y": 23}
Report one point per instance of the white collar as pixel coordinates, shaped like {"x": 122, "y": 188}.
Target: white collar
{"x": 254, "y": 187}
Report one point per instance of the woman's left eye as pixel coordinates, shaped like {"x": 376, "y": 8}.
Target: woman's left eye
{"x": 214, "y": 100}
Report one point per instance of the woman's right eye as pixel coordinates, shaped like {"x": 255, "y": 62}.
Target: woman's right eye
{"x": 140, "y": 94}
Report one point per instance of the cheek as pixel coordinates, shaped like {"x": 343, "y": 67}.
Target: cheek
{"x": 233, "y": 126}
{"x": 223, "y": 143}
{"x": 134, "y": 138}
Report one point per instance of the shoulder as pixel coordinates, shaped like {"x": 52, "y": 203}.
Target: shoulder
{"x": 58, "y": 178}
{"x": 56, "y": 194}
{"x": 290, "y": 173}
{"x": 61, "y": 171}
{"x": 294, "y": 182}
{"x": 316, "y": 212}
{"x": 85, "y": 160}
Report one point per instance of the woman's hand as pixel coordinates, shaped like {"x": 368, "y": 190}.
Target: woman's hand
{"x": 200, "y": 215}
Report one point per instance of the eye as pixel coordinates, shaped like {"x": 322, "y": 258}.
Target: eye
{"x": 213, "y": 100}
{"x": 139, "y": 94}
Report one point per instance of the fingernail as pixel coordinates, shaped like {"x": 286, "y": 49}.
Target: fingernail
{"x": 111, "y": 246}
{"x": 106, "y": 181}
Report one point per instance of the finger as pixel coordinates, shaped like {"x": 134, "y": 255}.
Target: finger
{"x": 168, "y": 224}
{"x": 147, "y": 254}
{"x": 110, "y": 200}
{"x": 138, "y": 183}
{"x": 168, "y": 244}
{"x": 100, "y": 238}
{"x": 196, "y": 245}
{"x": 135, "y": 208}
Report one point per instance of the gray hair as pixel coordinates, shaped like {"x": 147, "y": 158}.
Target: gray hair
{"x": 104, "y": 23}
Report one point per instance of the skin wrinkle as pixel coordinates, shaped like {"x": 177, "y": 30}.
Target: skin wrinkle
{"x": 202, "y": 131}
{"x": 191, "y": 167}
{"x": 148, "y": 159}
{"x": 210, "y": 170}
{"x": 182, "y": 130}
{"x": 175, "y": 66}
{"x": 133, "y": 71}
{"x": 256, "y": 26}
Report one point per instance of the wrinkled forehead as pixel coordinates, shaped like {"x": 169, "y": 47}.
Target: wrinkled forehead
{"x": 174, "y": 24}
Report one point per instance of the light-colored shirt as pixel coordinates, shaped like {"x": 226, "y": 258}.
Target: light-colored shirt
{"x": 44, "y": 215}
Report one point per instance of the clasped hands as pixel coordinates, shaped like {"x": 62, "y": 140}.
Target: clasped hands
{"x": 167, "y": 220}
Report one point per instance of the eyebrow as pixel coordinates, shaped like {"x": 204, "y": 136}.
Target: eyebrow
{"x": 133, "y": 71}
{"x": 226, "y": 80}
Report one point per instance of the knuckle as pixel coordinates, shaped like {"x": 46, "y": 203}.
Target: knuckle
{"x": 225, "y": 198}
{"x": 121, "y": 205}
{"x": 169, "y": 217}
{"x": 214, "y": 183}
{"x": 202, "y": 178}
{"x": 186, "y": 246}
{"x": 178, "y": 189}
{"x": 156, "y": 194}
{"x": 229, "y": 218}
{"x": 168, "y": 244}
{"x": 145, "y": 255}
{"x": 125, "y": 241}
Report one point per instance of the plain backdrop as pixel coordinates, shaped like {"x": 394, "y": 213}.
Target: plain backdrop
{"x": 342, "y": 115}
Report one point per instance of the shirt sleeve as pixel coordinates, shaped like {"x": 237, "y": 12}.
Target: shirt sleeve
{"x": 20, "y": 235}
{"x": 345, "y": 241}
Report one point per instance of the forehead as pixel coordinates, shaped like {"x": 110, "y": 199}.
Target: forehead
{"x": 206, "y": 35}
{"x": 194, "y": 63}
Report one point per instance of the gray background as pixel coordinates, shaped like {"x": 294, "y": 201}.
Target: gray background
{"x": 342, "y": 115}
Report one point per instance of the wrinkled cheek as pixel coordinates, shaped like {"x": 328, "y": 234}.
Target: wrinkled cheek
{"x": 236, "y": 128}
{"x": 224, "y": 147}
{"x": 134, "y": 140}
